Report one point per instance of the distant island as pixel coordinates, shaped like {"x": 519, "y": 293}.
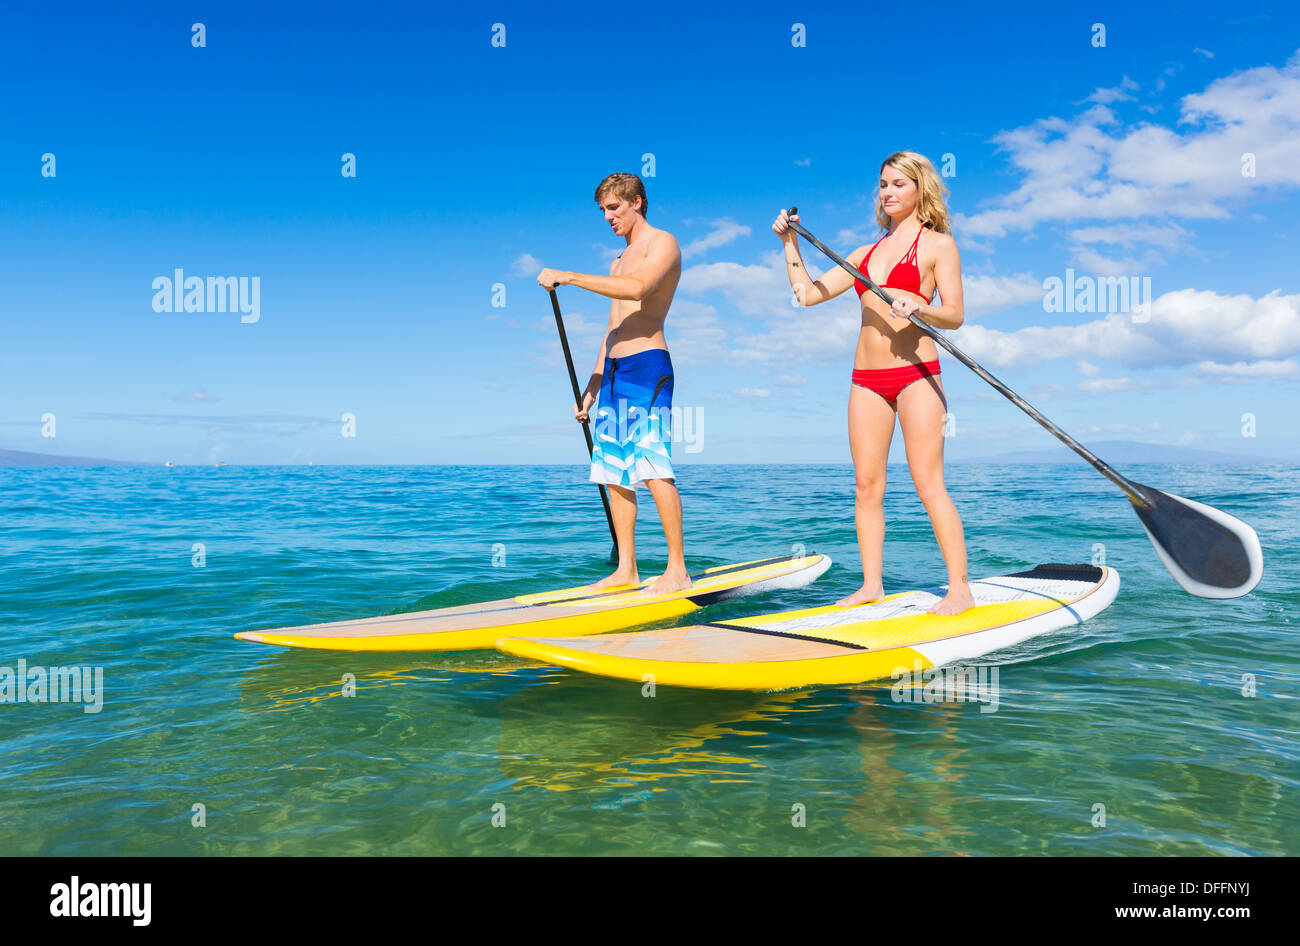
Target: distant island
{"x": 1117, "y": 452}
{"x": 23, "y": 458}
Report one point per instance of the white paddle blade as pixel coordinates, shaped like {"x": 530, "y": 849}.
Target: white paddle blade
{"x": 1210, "y": 553}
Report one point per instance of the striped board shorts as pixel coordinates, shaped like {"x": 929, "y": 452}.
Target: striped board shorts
{"x": 631, "y": 425}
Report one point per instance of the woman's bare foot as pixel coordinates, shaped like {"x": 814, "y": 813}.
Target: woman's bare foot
{"x": 670, "y": 581}
{"x": 620, "y": 577}
{"x": 957, "y": 600}
{"x": 864, "y": 595}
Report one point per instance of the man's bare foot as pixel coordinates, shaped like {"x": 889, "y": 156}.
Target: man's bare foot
{"x": 957, "y": 600}
{"x": 864, "y": 595}
{"x": 620, "y": 577}
{"x": 668, "y": 582}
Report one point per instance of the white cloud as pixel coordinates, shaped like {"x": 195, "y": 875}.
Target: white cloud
{"x": 1118, "y": 94}
{"x": 1101, "y": 264}
{"x": 1253, "y": 370}
{"x": 754, "y": 289}
{"x": 853, "y": 237}
{"x": 526, "y": 264}
{"x": 1169, "y": 236}
{"x": 1107, "y": 385}
{"x": 1186, "y": 326}
{"x": 982, "y": 294}
{"x": 1091, "y": 259}
{"x": 724, "y": 231}
{"x": 577, "y": 326}
{"x": 1093, "y": 167}
{"x": 584, "y": 333}
{"x": 774, "y": 329}
{"x": 814, "y": 334}
{"x": 198, "y": 396}
{"x": 694, "y": 333}
{"x": 1116, "y": 429}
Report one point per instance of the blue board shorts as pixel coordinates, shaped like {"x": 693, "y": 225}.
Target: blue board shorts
{"x": 631, "y": 430}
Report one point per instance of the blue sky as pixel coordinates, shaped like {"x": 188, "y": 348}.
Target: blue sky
{"x": 476, "y": 165}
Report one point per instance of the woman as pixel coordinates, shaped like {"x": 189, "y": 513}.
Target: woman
{"x": 896, "y": 367}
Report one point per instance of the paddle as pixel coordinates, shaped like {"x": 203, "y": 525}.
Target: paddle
{"x": 1209, "y": 553}
{"x": 586, "y": 428}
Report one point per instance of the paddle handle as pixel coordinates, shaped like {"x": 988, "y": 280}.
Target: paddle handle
{"x": 577, "y": 399}
{"x": 1131, "y": 489}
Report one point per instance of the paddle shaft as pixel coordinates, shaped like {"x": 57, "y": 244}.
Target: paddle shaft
{"x": 577, "y": 399}
{"x": 1131, "y": 489}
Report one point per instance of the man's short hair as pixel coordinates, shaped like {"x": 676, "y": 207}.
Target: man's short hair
{"x": 626, "y": 186}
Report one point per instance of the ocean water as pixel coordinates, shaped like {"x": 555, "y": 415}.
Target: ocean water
{"x": 208, "y": 745}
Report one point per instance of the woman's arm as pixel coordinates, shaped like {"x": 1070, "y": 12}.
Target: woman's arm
{"x": 806, "y": 290}
{"x": 947, "y": 280}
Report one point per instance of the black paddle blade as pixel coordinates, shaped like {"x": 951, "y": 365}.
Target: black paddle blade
{"x": 1210, "y": 553}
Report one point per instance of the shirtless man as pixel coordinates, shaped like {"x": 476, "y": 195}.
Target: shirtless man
{"x": 633, "y": 378}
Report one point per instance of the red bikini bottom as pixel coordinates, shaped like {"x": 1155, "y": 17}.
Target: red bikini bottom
{"x": 889, "y": 382}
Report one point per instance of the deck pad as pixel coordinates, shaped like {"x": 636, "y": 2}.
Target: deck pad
{"x": 831, "y": 644}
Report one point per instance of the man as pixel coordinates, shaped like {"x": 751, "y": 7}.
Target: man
{"x": 634, "y": 378}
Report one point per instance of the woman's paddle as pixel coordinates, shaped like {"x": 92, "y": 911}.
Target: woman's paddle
{"x": 586, "y": 428}
{"x": 1210, "y": 553}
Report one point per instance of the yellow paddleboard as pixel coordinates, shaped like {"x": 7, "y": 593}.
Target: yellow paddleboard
{"x": 832, "y": 645}
{"x": 567, "y": 613}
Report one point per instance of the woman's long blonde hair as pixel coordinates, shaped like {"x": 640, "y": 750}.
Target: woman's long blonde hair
{"x": 931, "y": 195}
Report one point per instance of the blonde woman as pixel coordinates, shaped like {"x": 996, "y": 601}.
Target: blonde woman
{"x": 896, "y": 366}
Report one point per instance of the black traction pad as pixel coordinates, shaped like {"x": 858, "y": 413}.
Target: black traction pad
{"x": 1058, "y": 572}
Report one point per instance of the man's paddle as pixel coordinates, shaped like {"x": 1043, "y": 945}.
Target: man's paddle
{"x": 1210, "y": 553}
{"x": 586, "y": 428}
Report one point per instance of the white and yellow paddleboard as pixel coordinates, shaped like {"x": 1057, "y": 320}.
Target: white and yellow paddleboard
{"x": 568, "y": 613}
{"x": 833, "y": 645}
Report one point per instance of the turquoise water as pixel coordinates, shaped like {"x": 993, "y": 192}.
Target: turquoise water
{"x": 1140, "y": 710}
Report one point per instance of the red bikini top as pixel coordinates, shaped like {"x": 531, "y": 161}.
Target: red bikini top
{"x": 905, "y": 276}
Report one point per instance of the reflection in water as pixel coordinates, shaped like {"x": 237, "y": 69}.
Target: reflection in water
{"x": 609, "y": 734}
{"x": 903, "y": 809}
{"x": 295, "y": 677}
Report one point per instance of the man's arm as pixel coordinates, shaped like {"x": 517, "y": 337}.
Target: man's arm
{"x": 662, "y": 255}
